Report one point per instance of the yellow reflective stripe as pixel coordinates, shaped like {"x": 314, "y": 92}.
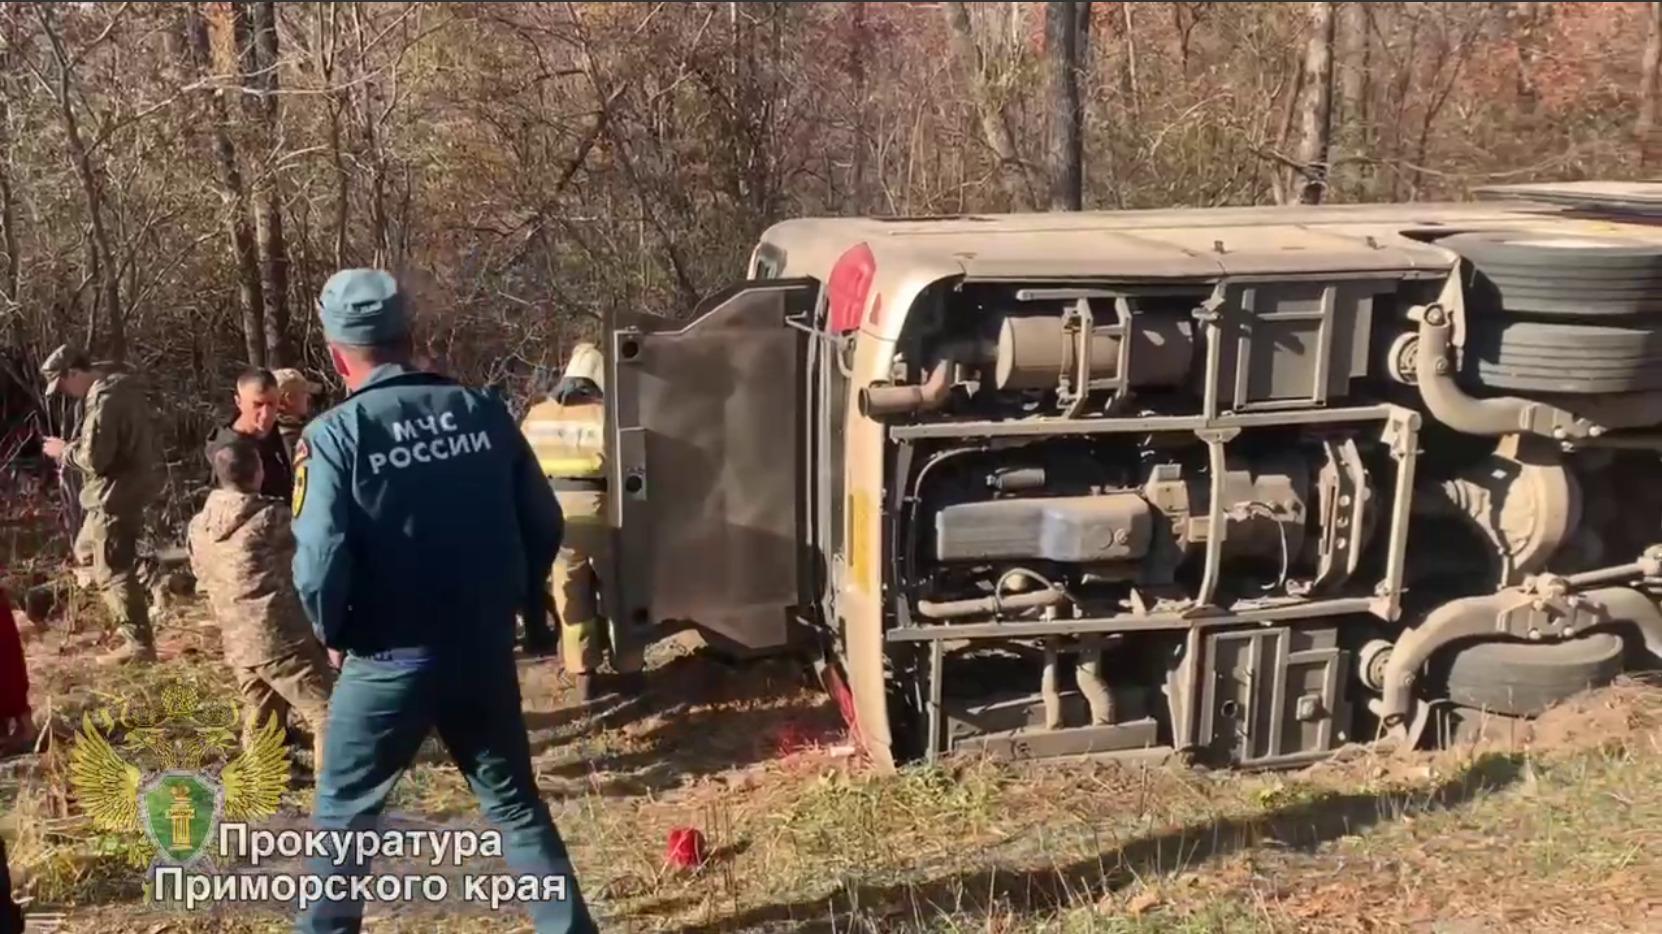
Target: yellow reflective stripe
{"x": 861, "y": 553}
{"x": 592, "y": 465}
{"x": 561, "y": 427}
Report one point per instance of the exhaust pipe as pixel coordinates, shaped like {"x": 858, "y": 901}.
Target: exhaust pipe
{"x": 878, "y": 400}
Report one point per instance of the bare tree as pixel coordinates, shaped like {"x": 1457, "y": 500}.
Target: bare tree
{"x": 372, "y": 115}
{"x": 1128, "y": 74}
{"x": 1352, "y": 120}
{"x": 1646, "y": 127}
{"x": 859, "y": 47}
{"x": 1459, "y": 26}
{"x": 1014, "y": 173}
{"x": 1528, "y": 19}
{"x": 606, "y": 92}
{"x": 547, "y": 163}
{"x": 268, "y": 198}
{"x": 231, "y": 189}
{"x": 327, "y": 54}
{"x": 10, "y": 273}
{"x": 101, "y": 260}
{"x": 1315, "y": 110}
{"x": 1067, "y": 26}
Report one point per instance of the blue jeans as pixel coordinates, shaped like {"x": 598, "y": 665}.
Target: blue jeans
{"x": 379, "y": 715}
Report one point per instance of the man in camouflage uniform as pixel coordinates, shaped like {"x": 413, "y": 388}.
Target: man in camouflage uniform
{"x": 241, "y": 551}
{"x": 294, "y": 405}
{"x": 121, "y": 475}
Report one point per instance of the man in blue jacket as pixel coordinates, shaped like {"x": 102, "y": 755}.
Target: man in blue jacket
{"x": 422, "y": 527}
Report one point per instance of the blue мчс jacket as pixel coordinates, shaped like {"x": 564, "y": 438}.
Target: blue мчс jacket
{"x": 422, "y": 522}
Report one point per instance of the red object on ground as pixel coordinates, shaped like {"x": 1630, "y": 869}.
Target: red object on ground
{"x": 14, "y": 676}
{"x": 687, "y": 849}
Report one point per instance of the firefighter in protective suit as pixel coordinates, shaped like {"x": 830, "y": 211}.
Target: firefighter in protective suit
{"x": 567, "y": 432}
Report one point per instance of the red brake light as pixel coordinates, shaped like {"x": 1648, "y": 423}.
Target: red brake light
{"x": 849, "y": 286}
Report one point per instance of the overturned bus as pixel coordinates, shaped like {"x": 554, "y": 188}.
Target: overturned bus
{"x": 1242, "y": 484}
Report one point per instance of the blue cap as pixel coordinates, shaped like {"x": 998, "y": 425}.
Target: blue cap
{"x": 360, "y": 307}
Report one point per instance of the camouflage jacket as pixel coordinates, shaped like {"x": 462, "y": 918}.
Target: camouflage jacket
{"x": 116, "y": 448}
{"x": 241, "y": 551}
{"x": 289, "y": 428}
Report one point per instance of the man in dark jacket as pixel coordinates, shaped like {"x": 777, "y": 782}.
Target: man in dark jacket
{"x": 256, "y": 422}
{"x": 423, "y": 526}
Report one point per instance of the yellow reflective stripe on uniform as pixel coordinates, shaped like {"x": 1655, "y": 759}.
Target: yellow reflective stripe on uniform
{"x": 569, "y": 441}
{"x": 577, "y": 467}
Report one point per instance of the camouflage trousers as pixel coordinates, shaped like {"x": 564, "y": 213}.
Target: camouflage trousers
{"x": 106, "y": 548}
{"x": 300, "y": 681}
{"x": 585, "y": 640}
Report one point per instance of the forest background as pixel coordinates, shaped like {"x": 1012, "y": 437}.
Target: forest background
{"x": 178, "y": 179}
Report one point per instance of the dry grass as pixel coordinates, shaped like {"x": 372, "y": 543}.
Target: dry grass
{"x": 1556, "y": 827}
{"x": 1513, "y": 835}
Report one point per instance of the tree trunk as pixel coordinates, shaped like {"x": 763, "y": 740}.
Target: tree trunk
{"x": 1650, "y": 90}
{"x": 1133, "y": 92}
{"x": 1184, "y": 26}
{"x": 268, "y": 210}
{"x": 1064, "y": 22}
{"x": 333, "y": 79}
{"x": 231, "y": 190}
{"x": 1281, "y": 179}
{"x": 859, "y": 48}
{"x": 101, "y": 256}
{"x": 246, "y": 55}
{"x": 274, "y": 273}
{"x": 1013, "y": 172}
{"x": 1528, "y": 33}
{"x": 10, "y": 273}
{"x": 380, "y": 233}
{"x": 1315, "y": 112}
{"x": 1352, "y": 122}
{"x": 739, "y": 73}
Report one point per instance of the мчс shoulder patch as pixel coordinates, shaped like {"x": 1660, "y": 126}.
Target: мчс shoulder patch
{"x": 299, "y": 496}
{"x": 302, "y": 453}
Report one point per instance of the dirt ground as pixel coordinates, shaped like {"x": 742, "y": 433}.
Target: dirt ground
{"x": 1553, "y": 827}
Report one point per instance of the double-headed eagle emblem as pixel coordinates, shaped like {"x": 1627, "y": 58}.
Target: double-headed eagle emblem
{"x": 177, "y": 805}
